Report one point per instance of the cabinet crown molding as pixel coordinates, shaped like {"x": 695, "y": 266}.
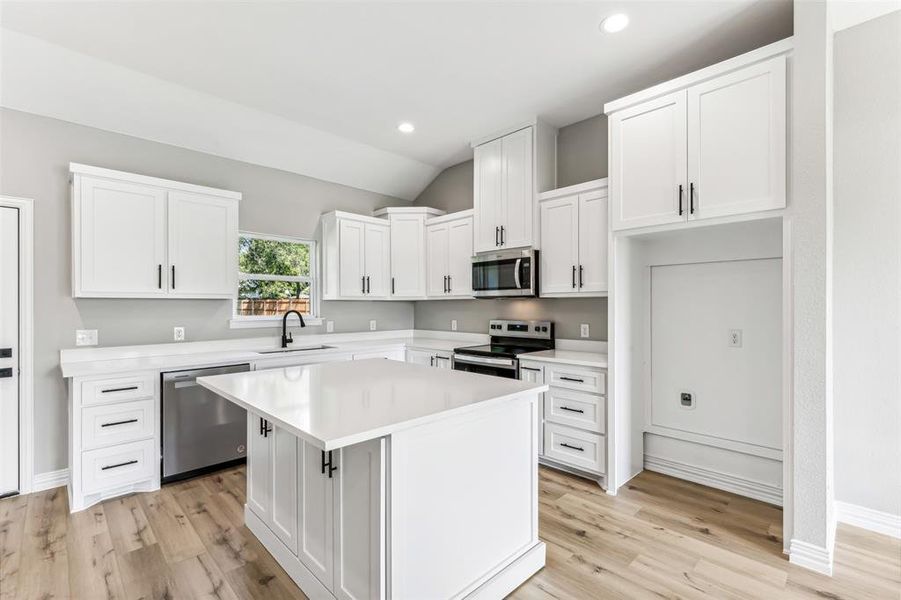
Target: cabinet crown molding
{"x": 80, "y": 169}
{"x": 578, "y": 188}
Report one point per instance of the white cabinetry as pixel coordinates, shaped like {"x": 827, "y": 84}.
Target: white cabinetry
{"x": 142, "y": 237}
{"x": 272, "y": 481}
{"x": 449, "y": 256}
{"x": 432, "y": 358}
{"x": 710, "y": 144}
{"x": 573, "y": 258}
{"x": 408, "y": 249}
{"x": 355, "y": 257}
{"x": 508, "y": 169}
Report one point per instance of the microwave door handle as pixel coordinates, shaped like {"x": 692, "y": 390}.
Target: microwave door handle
{"x": 516, "y": 276}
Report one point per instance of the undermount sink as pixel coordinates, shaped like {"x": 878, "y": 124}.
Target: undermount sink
{"x": 301, "y": 349}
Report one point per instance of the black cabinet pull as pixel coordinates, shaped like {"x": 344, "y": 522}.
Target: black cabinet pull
{"x": 502, "y": 235}
{"x": 363, "y": 284}
{"x": 328, "y": 464}
{"x": 574, "y": 276}
{"x": 322, "y": 464}
{"x": 121, "y": 389}
{"x": 691, "y": 198}
{"x": 159, "y": 276}
{"x": 565, "y": 445}
{"x": 497, "y": 233}
{"x": 261, "y": 426}
{"x": 173, "y": 277}
{"x": 572, "y": 379}
{"x": 117, "y": 465}
{"x": 680, "y": 200}
{"x": 530, "y": 369}
{"x": 392, "y": 285}
{"x": 575, "y": 410}
{"x": 450, "y": 287}
{"x": 432, "y": 361}
{"x": 267, "y": 429}
{"x": 580, "y": 275}
{"x": 368, "y": 285}
{"x": 114, "y": 423}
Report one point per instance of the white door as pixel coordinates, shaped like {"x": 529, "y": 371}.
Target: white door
{"x": 315, "y": 535}
{"x": 593, "y": 242}
{"x": 9, "y": 350}
{"x": 647, "y": 163}
{"x": 559, "y": 256}
{"x": 736, "y": 142}
{"x": 284, "y": 486}
{"x": 421, "y": 357}
{"x": 351, "y": 259}
{"x": 203, "y": 246}
{"x": 407, "y": 256}
{"x": 459, "y": 258}
{"x": 378, "y": 256}
{"x": 489, "y": 190}
{"x": 436, "y": 255}
{"x": 259, "y": 468}
{"x": 121, "y": 239}
{"x": 519, "y": 199}
{"x": 360, "y": 521}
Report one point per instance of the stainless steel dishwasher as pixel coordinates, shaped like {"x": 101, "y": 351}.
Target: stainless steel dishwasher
{"x": 201, "y": 430}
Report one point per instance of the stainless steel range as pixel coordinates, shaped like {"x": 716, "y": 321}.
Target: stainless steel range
{"x": 509, "y": 339}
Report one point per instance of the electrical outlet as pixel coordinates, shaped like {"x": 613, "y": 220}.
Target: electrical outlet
{"x": 735, "y": 338}
{"x": 686, "y": 400}
{"x": 329, "y": 326}
{"x": 85, "y": 337}
{"x": 178, "y": 333}
{"x": 372, "y": 325}
{"x": 453, "y": 324}
{"x": 583, "y": 330}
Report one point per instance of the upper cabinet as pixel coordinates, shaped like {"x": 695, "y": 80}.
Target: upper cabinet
{"x": 573, "y": 257}
{"x": 408, "y": 249}
{"x": 508, "y": 171}
{"x": 449, "y": 254}
{"x": 141, "y": 237}
{"x": 710, "y": 144}
{"x": 355, "y": 257}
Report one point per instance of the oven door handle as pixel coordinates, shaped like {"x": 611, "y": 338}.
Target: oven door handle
{"x": 517, "y": 278}
{"x": 503, "y": 363}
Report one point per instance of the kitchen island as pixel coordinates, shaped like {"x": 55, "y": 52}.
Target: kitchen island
{"x": 382, "y": 479}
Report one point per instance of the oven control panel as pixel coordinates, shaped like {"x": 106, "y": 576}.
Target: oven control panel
{"x": 543, "y": 330}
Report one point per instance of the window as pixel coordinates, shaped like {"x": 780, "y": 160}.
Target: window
{"x": 275, "y": 274}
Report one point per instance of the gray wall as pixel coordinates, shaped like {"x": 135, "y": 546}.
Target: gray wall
{"x": 34, "y": 162}
{"x": 867, "y": 264}
{"x": 581, "y": 156}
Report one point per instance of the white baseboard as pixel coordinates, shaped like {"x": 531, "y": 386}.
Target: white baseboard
{"x": 869, "y": 519}
{"x": 809, "y": 556}
{"x": 49, "y": 480}
{"x": 757, "y": 490}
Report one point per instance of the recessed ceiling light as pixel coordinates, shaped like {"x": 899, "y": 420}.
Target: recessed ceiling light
{"x": 406, "y": 128}
{"x": 615, "y": 23}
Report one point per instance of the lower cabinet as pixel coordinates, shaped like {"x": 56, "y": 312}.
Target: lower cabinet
{"x": 327, "y": 508}
{"x": 441, "y": 360}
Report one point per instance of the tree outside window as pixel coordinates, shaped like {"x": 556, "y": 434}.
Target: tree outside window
{"x": 275, "y": 275}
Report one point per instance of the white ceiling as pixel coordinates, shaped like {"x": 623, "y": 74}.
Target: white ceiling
{"x": 457, "y": 70}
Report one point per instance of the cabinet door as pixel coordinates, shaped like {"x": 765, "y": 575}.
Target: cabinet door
{"x": 351, "y": 249}
{"x": 360, "y": 521}
{"x": 736, "y": 142}
{"x": 120, "y": 239}
{"x": 283, "y": 519}
{"x": 203, "y": 246}
{"x": 593, "y": 242}
{"x": 420, "y": 357}
{"x": 377, "y": 261}
{"x": 259, "y": 469}
{"x": 488, "y": 194}
{"x": 436, "y": 256}
{"x": 519, "y": 198}
{"x": 648, "y": 164}
{"x": 459, "y": 258}
{"x": 315, "y": 532}
{"x": 559, "y": 256}
{"x": 444, "y": 360}
{"x": 407, "y": 256}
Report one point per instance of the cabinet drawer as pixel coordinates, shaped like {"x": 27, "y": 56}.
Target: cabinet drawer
{"x": 575, "y": 409}
{"x": 132, "y": 387}
{"x": 576, "y": 448}
{"x": 577, "y": 378}
{"x": 109, "y": 424}
{"x": 108, "y": 468}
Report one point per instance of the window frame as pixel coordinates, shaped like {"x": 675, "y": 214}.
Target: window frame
{"x": 248, "y": 321}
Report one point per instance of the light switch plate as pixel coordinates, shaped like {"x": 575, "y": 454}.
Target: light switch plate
{"x": 584, "y": 330}
{"x": 329, "y": 326}
{"x": 735, "y": 338}
{"x": 453, "y": 324}
{"x": 372, "y": 325}
{"x": 178, "y": 334}
{"x": 85, "y": 337}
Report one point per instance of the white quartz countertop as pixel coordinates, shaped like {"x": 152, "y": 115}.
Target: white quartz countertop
{"x": 570, "y": 357}
{"x": 333, "y": 405}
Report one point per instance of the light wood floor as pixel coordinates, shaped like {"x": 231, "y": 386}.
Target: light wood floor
{"x": 661, "y": 537}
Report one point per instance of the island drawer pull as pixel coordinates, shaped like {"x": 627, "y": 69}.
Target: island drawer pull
{"x": 121, "y": 464}
{"x": 530, "y": 369}
{"x": 575, "y": 410}
{"x": 565, "y": 445}
{"x": 121, "y": 389}
{"x": 572, "y": 379}
{"x": 114, "y": 423}
{"x": 328, "y": 464}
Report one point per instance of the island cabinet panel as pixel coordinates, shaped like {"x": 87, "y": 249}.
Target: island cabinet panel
{"x": 316, "y": 515}
{"x": 259, "y": 462}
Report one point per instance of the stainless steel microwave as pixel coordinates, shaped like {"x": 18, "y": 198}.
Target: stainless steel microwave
{"x": 507, "y": 273}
